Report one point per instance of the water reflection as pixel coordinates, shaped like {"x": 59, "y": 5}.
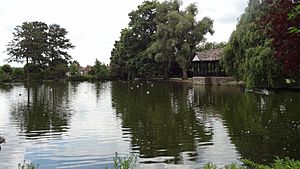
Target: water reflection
{"x": 164, "y": 125}
{"x": 169, "y": 125}
{"x": 263, "y": 127}
{"x": 45, "y": 111}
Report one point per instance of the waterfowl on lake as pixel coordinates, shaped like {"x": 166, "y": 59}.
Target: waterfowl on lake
{"x": 2, "y": 140}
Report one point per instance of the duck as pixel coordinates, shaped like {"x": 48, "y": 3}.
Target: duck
{"x": 2, "y": 140}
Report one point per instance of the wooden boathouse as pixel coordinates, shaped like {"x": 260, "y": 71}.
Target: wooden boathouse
{"x": 207, "y": 68}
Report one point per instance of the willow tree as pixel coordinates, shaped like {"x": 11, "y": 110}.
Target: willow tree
{"x": 178, "y": 34}
{"x": 248, "y": 55}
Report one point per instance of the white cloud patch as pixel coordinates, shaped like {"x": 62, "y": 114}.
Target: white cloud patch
{"x": 95, "y": 25}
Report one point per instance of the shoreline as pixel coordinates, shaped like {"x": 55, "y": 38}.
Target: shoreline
{"x": 232, "y": 83}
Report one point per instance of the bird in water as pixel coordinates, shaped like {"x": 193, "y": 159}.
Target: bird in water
{"x": 2, "y": 141}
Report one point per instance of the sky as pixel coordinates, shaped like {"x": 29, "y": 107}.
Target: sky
{"x": 94, "y": 25}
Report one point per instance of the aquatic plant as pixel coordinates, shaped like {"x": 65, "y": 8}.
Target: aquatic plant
{"x": 248, "y": 164}
{"x": 278, "y": 164}
{"x": 128, "y": 162}
{"x": 27, "y": 165}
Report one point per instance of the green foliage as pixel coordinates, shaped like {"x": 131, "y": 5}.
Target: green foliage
{"x": 210, "y": 45}
{"x": 74, "y": 69}
{"x": 248, "y": 56}
{"x": 100, "y": 70}
{"x": 210, "y": 166}
{"x": 128, "y": 58}
{"x": 178, "y": 34}
{"x": 27, "y": 166}
{"x": 292, "y": 16}
{"x": 129, "y": 162}
{"x": 158, "y": 35}
{"x": 278, "y": 164}
{"x": 56, "y": 72}
{"x": 9, "y": 74}
{"x": 81, "y": 78}
{"x": 39, "y": 45}
{"x": 125, "y": 162}
{"x": 230, "y": 166}
{"x": 18, "y": 73}
{"x": 4, "y": 77}
{"x": 7, "y": 69}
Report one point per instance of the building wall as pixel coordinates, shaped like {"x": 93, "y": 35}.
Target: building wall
{"x": 215, "y": 81}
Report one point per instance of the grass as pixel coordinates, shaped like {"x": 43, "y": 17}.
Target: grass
{"x": 129, "y": 162}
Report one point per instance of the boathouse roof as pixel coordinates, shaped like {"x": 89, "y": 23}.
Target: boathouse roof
{"x": 209, "y": 55}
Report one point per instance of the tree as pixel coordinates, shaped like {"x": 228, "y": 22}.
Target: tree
{"x": 178, "y": 34}
{"x": 58, "y": 43}
{"x": 163, "y": 47}
{"x": 39, "y": 45}
{"x": 295, "y": 13}
{"x": 29, "y": 44}
{"x": 210, "y": 45}
{"x": 4, "y": 77}
{"x": 248, "y": 55}
{"x": 100, "y": 69}
{"x": 74, "y": 70}
{"x": 128, "y": 57}
{"x": 120, "y": 55}
{"x": 286, "y": 44}
{"x": 7, "y": 69}
{"x": 158, "y": 35}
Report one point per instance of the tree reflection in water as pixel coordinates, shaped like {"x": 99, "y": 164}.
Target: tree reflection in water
{"x": 159, "y": 121}
{"x": 45, "y": 113}
{"x": 263, "y": 127}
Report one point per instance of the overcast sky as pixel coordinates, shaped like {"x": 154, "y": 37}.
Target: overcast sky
{"x": 94, "y": 25}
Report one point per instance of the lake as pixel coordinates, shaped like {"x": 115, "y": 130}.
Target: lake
{"x": 166, "y": 125}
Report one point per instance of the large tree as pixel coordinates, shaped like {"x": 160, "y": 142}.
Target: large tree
{"x": 29, "y": 44}
{"x": 248, "y": 55}
{"x": 158, "y": 35}
{"x": 128, "y": 57}
{"x": 163, "y": 45}
{"x": 189, "y": 33}
{"x": 58, "y": 44}
{"x": 39, "y": 44}
{"x": 178, "y": 34}
{"x": 286, "y": 43}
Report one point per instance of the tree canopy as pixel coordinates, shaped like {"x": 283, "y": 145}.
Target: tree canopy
{"x": 261, "y": 51}
{"x": 40, "y": 44}
{"x": 159, "y": 36}
{"x": 279, "y": 21}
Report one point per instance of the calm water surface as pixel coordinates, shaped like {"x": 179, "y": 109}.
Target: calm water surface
{"x": 167, "y": 125}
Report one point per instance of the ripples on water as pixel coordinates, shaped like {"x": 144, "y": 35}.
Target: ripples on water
{"x": 167, "y": 125}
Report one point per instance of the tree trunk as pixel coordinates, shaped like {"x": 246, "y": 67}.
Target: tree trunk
{"x": 27, "y": 69}
{"x": 166, "y": 70}
{"x": 166, "y": 74}
{"x": 184, "y": 74}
